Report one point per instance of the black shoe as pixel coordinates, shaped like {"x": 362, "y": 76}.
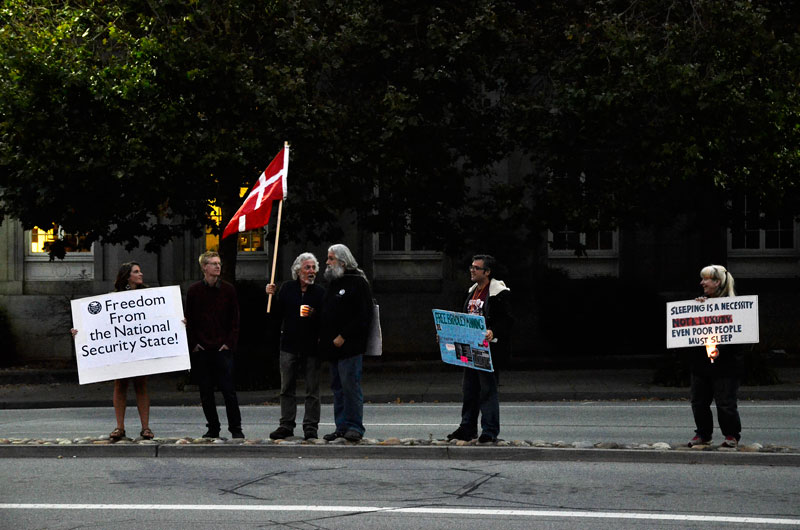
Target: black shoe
{"x": 486, "y": 438}
{"x": 211, "y": 433}
{"x": 310, "y": 434}
{"x": 280, "y": 433}
{"x": 461, "y": 434}
{"x": 353, "y": 436}
{"x": 332, "y": 436}
{"x": 237, "y": 434}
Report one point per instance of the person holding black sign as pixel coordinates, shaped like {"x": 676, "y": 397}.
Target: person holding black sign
{"x": 490, "y": 298}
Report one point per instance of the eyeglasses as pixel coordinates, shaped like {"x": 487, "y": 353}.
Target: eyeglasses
{"x": 474, "y": 268}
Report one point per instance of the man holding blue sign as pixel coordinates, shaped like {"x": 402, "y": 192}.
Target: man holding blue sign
{"x": 489, "y": 298}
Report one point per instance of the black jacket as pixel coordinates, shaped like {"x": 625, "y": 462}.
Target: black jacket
{"x": 346, "y": 311}
{"x": 499, "y": 318}
{"x": 729, "y": 363}
{"x": 300, "y": 334}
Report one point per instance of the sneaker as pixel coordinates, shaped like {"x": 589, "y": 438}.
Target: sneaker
{"x": 730, "y": 441}
{"x": 460, "y": 434}
{"x": 697, "y": 440}
{"x": 486, "y": 438}
{"x": 353, "y": 436}
{"x": 332, "y": 436}
{"x": 211, "y": 433}
{"x": 280, "y": 433}
{"x": 237, "y": 434}
{"x": 310, "y": 434}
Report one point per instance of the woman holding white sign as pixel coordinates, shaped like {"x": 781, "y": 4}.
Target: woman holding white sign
{"x": 715, "y": 372}
{"x": 130, "y": 276}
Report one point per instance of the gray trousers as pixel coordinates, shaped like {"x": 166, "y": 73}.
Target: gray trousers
{"x": 291, "y": 365}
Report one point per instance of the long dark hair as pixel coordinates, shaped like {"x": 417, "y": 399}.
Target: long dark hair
{"x": 124, "y": 273}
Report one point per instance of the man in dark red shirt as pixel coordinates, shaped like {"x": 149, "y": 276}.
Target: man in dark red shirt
{"x": 212, "y": 325}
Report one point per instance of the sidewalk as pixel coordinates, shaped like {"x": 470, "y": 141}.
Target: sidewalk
{"x": 384, "y": 383}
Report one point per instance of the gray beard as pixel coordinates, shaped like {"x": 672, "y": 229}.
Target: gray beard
{"x": 334, "y": 272}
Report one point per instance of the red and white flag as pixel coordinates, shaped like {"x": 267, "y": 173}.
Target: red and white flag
{"x": 271, "y": 186}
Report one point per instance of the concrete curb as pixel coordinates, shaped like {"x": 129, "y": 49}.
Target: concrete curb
{"x": 403, "y": 452}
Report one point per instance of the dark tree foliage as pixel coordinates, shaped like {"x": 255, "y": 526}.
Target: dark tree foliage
{"x": 648, "y": 109}
{"x": 121, "y": 120}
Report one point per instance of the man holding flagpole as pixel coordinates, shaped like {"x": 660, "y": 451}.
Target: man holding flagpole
{"x": 298, "y": 308}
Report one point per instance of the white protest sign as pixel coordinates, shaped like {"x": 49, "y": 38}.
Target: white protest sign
{"x": 130, "y": 333}
{"x": 724, "y": 320}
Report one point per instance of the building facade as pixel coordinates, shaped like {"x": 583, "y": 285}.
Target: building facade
{"x": 598, "y": 279}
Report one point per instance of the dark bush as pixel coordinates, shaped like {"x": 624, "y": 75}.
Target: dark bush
{"x": 257, "y": 357}
{"x": 7, "y": 340}
{"x": 598, "y": 316}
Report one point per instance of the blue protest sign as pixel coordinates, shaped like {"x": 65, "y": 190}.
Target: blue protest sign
{"x": 462, "y": 339}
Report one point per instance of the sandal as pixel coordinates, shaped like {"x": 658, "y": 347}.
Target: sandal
{"x": 147, "y": 434}
{"x": 117, "y": 434}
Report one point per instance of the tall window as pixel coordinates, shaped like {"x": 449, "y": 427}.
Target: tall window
{"x": 212, "y": 239}
{"x": 755, "y": 230}
{"x": 583, "y": 254}
{"x": 250, "y": 241}
{"x": 566, "y": 240}
{"x": 400, "y": 256}
{"x": 42, "y": 239}
{"x": 398, "y": 242}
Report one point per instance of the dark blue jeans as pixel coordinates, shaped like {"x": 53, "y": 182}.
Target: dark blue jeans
{"x": 348, "y": 400}
{"x": 292, "y": 365}
{"x": 722, "y": 390}
{"x": 215, "y": 368}
{"x": 480, "y": 396}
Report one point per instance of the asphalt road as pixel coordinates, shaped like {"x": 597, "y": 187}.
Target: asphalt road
{"x": 200, "y": 493}
{"x": 384, "y": 493}
{"x": 764, "y": 422}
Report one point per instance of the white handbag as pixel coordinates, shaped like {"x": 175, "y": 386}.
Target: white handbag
{"x": 375, "y": 337}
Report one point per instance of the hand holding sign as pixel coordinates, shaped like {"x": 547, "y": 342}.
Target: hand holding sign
{"x": 463, "y": 339}
{"x": 129, "y": 333}
{"x": 712, "y": 321}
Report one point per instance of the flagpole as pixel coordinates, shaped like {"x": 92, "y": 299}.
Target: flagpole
{"x": 277, "y": 234}
{"x": 275, "y": 254}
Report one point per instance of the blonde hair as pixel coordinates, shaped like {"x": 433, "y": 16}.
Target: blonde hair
{"x": 721, "y": 274}
{"x": 205, "y": 256}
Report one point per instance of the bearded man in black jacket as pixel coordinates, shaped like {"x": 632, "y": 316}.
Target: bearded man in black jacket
{"x": 346, "y": 317}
